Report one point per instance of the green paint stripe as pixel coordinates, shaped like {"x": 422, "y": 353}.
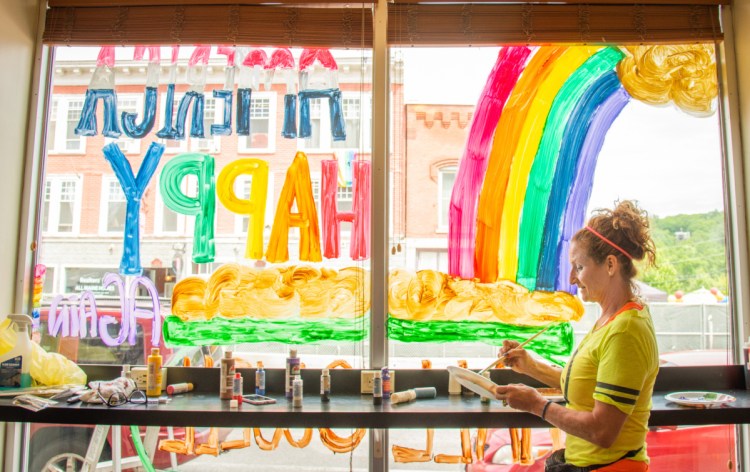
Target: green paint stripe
{"x": 555, "y": 344}
{"x": 222, "y": 331}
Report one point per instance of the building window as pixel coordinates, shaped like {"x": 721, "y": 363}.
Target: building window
{"x": 209, "y": 143}
{"x": 352, "y": 117}
{"x": 262, "y": 124}
{"x": 61, "y": 207}
{"x": 171, "y": 222}
{"x": 313, "y": 141}
{"x": 52, "y": 124}
{"x": 127, "y": 104}
{"x": 344, "y": 198}
{"x": 242, "y": 187}
{"x": 446, "y": 178}
{"x": 63, "y": 119}
{"x": 175, "y": 146}
{"x": 315, "y": 184}
{"x": 114, "y": 205}
{"x": 357, "y": 119}
{"x": 432, "y": 259}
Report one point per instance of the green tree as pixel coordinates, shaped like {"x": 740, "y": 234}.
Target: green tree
{"x": 690, "y": 253}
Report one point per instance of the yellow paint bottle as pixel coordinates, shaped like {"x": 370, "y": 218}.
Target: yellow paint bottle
{"x": 153, "y": 380}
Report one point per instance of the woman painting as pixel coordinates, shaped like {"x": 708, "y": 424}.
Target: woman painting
{"x": 609, "y": 379}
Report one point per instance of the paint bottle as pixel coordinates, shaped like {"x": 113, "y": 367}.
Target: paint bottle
{"x": 237, "y": 387}
{"x": 325, "y": 386}
{"x": 15, "y": 365}
{"x": 292, "y": 369}
{"x": 260, "y": 380}
{"x": 386, "y": 376}
{"x": 153, "y": 378}
{"x": 125, "y": 371}
{"x": 377, "y": 389}
{"x": 226, "y": 376}
{"x": 483, "y": 399}
{"x": 297, "y": 392}
{"x": 176, "y": 389}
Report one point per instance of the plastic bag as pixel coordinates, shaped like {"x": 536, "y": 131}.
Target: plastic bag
{"x": 47, "y": 368}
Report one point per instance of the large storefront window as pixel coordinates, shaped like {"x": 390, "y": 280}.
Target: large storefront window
{"x": 221, "y": 201}
{"x": 486, "y": 183}
{"x": 274, "y": 242}
{"x": 513, "y": 176}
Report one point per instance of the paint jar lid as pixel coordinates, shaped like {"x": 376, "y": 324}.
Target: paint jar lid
{"x": 292, "y": 353}
{"x": 326, "y": 371}
{"x": 227, "y": 354}
{"x": 154, "y": 351}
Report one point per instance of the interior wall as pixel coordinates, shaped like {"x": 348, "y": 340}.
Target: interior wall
{"x": 18, "y": 34}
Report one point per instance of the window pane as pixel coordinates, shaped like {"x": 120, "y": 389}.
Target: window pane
{"x": 128, "y": 105}
{"x": 67, "y": 206}
{"x": 313, "y": 142}
{"x": 169, "y": 221}
{"x": 46, "y": 205}
{"x": 447, "y": 178}
{"x": 352, "y": 115}
{"x": 522, "y": 182}
{"x": 344, "y": 198}
{"x": 117, "y": 207}
{"x": 186, "y": 228}
{"x": 73, "y": 142}
{"x": 208, "y": 143}
{"x": 259, "y": 123}
{"x": 52, "y": 124}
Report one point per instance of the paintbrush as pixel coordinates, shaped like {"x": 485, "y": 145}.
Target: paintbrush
{"x": 500, "y": 359}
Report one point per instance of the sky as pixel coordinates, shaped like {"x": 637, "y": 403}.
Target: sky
{"x": 666, "y": 159}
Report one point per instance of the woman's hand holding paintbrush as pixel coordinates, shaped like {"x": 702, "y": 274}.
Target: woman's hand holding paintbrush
{"x": 520, "y": 358}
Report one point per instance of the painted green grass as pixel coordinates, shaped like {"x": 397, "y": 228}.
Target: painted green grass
{"x": 222, "y": 331}
{"x": 555, "y": 344}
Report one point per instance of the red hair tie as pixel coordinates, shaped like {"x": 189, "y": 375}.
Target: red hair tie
{"x": 593, "y": 231}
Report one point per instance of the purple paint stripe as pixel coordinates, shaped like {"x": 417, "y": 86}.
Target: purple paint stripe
{"x": 473, "y": 165}
{"x": 580, "y": 193}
